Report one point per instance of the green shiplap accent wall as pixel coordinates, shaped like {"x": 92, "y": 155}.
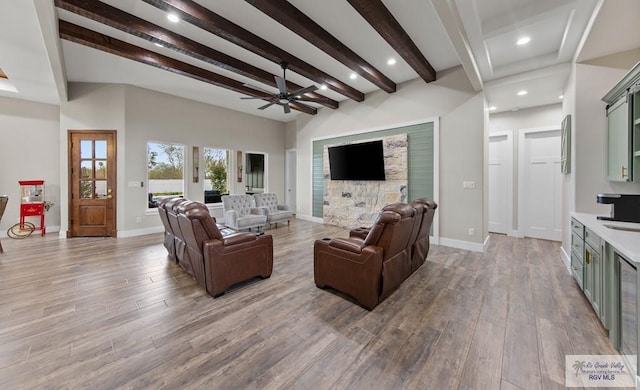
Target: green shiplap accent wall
{"x": 420, "y": 164}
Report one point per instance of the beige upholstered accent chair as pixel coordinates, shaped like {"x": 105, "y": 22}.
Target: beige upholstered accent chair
{"x": 240, "y": 212}
{"x": 275, "y": 212}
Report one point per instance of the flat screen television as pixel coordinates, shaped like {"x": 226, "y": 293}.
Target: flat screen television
{"x": 361, "y": 161}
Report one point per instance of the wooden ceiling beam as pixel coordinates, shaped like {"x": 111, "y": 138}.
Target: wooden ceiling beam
{"x": 295, "y": 20}
{"x": 199, "y": 16}
{"x": 86, "y": 37}
{"x": 381, "y": 19}
{"x": 113, "y": 17}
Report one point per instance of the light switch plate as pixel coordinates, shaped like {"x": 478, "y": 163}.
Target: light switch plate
{"x": 469, "y": 184}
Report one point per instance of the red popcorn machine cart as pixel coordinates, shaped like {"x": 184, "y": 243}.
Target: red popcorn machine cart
{"x": 32, "y": 202}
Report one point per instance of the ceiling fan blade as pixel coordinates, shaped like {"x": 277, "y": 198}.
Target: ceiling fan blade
{"x": 302, "y": 91}
{"x": 287, "y": 109}
{"x": 257, "y": 88}
{"x": 265, "y": 106}
{"x": 282, "y": 85}
{"x": 252, "y": 97}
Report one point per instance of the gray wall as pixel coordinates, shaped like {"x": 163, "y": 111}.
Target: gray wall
{"x": 583, "y": 100}
{"x": 462, "y": 122}
{"x": 141, "y": 115}
{"x": 513, "y": 121}
{"x": 29, "y": 151}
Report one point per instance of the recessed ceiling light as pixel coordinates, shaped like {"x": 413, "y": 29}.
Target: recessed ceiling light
{"x": 561, "y": 97}
{"x": 353, "y": 76}
{"x": 391, "y": 61}
{"x": 523, "y": 41}
{"x": 157, "y": 44}
{"x": 173, "y": 18}
{"x": 522, "y": 93}
{"x": 493, "y": 108}
{"x": 323, "y": 87}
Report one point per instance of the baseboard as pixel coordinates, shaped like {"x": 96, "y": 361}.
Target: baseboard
{"x": 466, "y": 245}
{"x": 140, "y": 232}
{"x": 566, "y": 259}
{"x": 309, "y": 218}
{"x": 515, "y": 233}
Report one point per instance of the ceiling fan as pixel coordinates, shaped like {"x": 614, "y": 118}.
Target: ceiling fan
{"x": 283, "y": 97}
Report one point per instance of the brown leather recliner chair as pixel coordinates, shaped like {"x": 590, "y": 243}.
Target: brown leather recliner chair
{"x": 425, "y": 209}
{"x": 172, "y": 215}
{"x": 420, "y": 248}
{"x": 169, "y": 241}
{"x": 217, "y": 261}
{"x": 368, "y": 270}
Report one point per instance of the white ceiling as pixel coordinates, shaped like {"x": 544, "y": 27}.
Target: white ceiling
{"x": 489, "y": 29}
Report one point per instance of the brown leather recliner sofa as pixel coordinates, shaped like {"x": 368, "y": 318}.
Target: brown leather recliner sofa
{"x": 218, "y": 261}
{"x": 369, "y": 269}
{"x": 172, "y": 237}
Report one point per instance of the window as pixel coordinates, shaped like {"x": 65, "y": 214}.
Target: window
{"x": 165, "y": 171}
{"x": 216, "y": 174}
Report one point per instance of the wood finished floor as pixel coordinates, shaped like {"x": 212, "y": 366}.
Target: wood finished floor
{"x": 116, "y": 313}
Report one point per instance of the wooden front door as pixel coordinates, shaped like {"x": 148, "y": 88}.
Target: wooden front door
{"x": 92, "y": 175}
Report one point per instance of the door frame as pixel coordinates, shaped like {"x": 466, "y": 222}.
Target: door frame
{"x": 70, "y": 133}
{"x": 509, "y": 162}
{"x": 522, "y": 133}
{"x": 290, "y": 171}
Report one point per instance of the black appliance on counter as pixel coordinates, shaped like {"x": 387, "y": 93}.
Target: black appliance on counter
{"x": 624, "y": 207}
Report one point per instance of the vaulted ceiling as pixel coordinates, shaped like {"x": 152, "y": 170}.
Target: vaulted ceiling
{"x": 221, "y": 50}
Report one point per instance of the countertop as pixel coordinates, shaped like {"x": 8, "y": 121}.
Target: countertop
{"x": 626, "y": 243}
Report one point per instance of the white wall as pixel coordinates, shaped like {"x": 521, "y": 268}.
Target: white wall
{"x": 141, "y": 115}
{"x": 569, "y": 180}
{"x": 514, "y": 121}
{"x": 461, "y": 111}
{"x": 527, "y": 118}
{"x": 92, "y": 107}
{"x": 592, "y": 83}
{"x": 587, "y": 85}
{"x": 29, "y": 151}
{"x": 160, "y": 117}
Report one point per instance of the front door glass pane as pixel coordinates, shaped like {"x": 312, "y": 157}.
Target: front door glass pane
{"x": 101, "y": 169}
{"x": 86, "y": 189}
{"x": 101, "y": 149}
{"x": 86, "y": 149}
{"x": 101, "y": 189}
{"x": 86, "y": 169}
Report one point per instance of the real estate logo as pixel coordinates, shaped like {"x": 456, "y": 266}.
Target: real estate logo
{"x": 600, "y": 370}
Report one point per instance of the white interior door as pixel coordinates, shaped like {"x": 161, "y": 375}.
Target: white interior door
{"x": 540, "y": 200}
{"x": 500, "y": 182}
{"x": 290, "y": 179}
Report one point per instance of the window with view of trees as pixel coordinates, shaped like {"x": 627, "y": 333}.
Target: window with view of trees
{"x": 216, "y": 174}
{"x": 165, "y": 171}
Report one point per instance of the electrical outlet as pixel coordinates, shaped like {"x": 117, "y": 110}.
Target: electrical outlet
{"x": 138, "y": 219}
{"x": 472, "y": 231}
{"x": 469, "y": 185}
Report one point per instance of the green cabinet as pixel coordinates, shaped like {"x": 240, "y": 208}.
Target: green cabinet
{"x": 623, "y": 128}
{"x": 577, "y": 251}
{"x": 592, "y": 279}
{"x": 590, "y": 268}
